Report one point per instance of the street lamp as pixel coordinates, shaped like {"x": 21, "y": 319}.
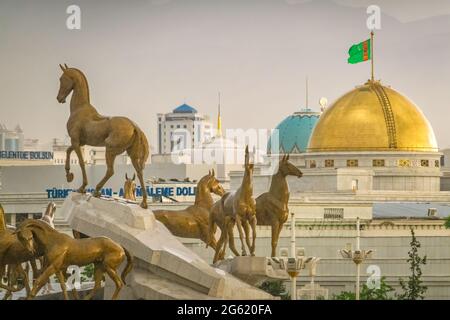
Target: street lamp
{"x": 358, "y": 256}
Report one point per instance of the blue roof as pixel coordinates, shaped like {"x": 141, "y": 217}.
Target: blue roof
{"x": 294, "y": 132}
{"x": 184, "y": 108}
{"x": 409, "y": 210}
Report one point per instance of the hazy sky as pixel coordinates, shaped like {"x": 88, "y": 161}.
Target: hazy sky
{"x": 144, "y": 57}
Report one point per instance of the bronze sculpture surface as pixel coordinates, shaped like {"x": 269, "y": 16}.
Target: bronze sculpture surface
{"x": 87, "y": 127}
{"x": 272, "y": 206}
{"x": 236, "y": 208}
{"x": 12, "y": 255}
{"x": 129, "y": 188}
{"x": 61, "y": 251}
{"x": 192, "y": 222}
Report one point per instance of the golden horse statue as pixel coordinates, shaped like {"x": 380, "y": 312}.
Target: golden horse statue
{"x": 272, "y": 207}
{"x": 61, "y": 251}
{"x": 236, "y": 208}
{"x": 129, "y": 188}
{"x": 87, "y": 127}
{"x": 12, "y": 255}
{"x": 192, "y": 222}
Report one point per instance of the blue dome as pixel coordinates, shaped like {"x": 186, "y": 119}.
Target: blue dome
{"x": 184, "y": 108}
{"x": 294, "y": 132}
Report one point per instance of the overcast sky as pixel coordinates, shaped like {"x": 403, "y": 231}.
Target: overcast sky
{"x": 144, "y": 57}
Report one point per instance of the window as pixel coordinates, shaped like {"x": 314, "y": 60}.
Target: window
{"x": 20, "y": 217}
{"x": 354, "y": 184}
{"x": 404, "y": 163}
{"x": 436, "y": 163}
{"x": 37, "y": 216}
{"x": 178, "y": 126}
{"x": 333, "y": 213}
{"x": 312, "y": 163}
{"x": 378, "y": 163}
{"x": 424, "y": 163}
{"x": 171, "y": 126}
{"x": 352, "y": 163}
{"x": 329, "y": 163}
{"x": 185, "y": 126}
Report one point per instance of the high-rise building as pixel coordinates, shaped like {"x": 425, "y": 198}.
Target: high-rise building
{"x": 183, "y": 128}
{"x": 11, "y": 140}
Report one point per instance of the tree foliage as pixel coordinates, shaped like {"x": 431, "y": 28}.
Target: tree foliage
{"x": 275, "y": 288}
{"x": 413, "y": 288}
{"x": 381, "y": 293}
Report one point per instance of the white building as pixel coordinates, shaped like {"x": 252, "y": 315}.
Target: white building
{"x": 183, "y": 125}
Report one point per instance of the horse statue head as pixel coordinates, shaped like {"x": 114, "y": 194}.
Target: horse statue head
{"x": 66, "y": 83}
{"x": 214, "y": 185}
{"x": 32, "y": 234}
{"x": 247, "y": 165}
{"x": 287, "y": 168}
{"x": 129, "y": 188}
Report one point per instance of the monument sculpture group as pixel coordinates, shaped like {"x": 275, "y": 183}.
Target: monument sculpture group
{"x": 36, "y": 245}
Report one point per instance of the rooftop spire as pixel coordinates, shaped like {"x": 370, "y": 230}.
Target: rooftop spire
{"x": 219, "y": 120}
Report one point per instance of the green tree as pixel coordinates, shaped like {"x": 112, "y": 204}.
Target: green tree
{"x": 413, "y": 288}
{"x": 276, "y": 288}
{"x": 447, "y": 222}
{"x": 381, "y": 293}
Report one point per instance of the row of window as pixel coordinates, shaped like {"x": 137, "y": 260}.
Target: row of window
{"x": 20, "y": 217}
{"x": 63, "y": 161}
{"x": 329, "y": 163}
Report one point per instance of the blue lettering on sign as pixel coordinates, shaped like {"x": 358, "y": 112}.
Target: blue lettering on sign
{"x": 55, "y": 193}
{"x": 26, "y": 155}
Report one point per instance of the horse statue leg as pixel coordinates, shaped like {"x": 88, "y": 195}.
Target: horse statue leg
{"x": 99, "y": 271}
{"x": 229, "y": 225}
{"x": 275, "y": 234}
{"x": 253, "y": 225}
{"x": 76, "y": 146}
{"x": 69, "y": 175}
{"x": 246, "y": 227}
{"x": 110, "y": 157}
{"x": 241, "y": 233}
{"x": 139, "y": 167}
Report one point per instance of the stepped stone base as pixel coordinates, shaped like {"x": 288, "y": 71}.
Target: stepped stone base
{"x": 164, "y": 267}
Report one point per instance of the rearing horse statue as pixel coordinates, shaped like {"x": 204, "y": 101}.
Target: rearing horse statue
{"x": 192, "y": 222}
{"x": 87, "y": 127}
{"x": 272, "y": 207}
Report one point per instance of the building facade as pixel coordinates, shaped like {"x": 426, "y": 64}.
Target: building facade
{"x": 183, "y": 128}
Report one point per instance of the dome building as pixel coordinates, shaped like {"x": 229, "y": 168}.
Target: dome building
{"x": 292, "y": 135}
{"x": 381, "y": 137}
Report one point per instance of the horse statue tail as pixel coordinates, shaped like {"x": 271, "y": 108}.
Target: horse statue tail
{"x": 128, "y": 267}
{"x": 139, "y": 146}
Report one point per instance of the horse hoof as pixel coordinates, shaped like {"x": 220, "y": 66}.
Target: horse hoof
{"x": 144, "y": 205}
{"x": 81, "y": 190}
{"x": 69, "y": 177}
{"x": 97, "y": 194}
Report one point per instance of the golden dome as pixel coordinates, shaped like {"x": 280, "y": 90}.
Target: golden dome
{"x": 373, "y": 117}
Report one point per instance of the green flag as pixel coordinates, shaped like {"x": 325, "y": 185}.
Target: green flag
{"x": 360, "y": 52}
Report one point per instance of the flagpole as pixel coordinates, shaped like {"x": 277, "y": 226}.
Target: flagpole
{"x": 371, "y": 53}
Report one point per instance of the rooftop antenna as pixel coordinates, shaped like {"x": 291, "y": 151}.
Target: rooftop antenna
{"x": 307, "y": 89}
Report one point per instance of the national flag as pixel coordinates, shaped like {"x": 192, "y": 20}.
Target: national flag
{"x": 360, "y": 52}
